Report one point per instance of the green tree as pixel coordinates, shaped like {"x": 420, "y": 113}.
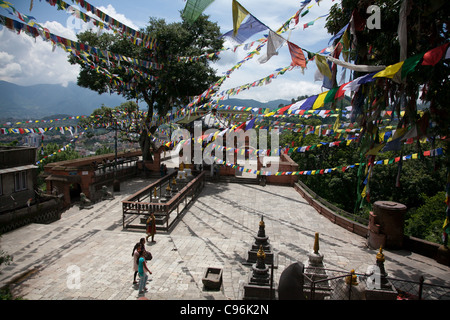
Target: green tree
{"x": 164, "y": 88}
{"x": 426, "y": 222}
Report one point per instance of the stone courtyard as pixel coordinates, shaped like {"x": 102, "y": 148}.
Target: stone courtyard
{"x": 87, "y": 253}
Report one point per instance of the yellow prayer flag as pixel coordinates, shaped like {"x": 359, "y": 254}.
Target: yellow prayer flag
{"x": 322, "y": 65}
{"x": 320, "y": 100}
{"x": 336, "y": 124}
{"x": 390, "y": 71}
{"x": 363, "y": 193}
{"x": 414, "y": 155}
{"x": 239, "y": 14}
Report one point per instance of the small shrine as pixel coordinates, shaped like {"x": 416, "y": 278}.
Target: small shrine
{"x": 315, "y": 271}
{"x": 378, "y": 286}
{"x": 260, "y": 285}
{"x": 261, "y": 240}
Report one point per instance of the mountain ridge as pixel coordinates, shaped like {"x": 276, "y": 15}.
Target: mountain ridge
{"x": 44, "y": 100}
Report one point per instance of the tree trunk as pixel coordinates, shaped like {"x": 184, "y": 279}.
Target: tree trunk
{"x": 145, "y": 142}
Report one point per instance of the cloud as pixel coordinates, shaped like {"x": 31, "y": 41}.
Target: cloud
{"x": 32, "y": 61}
{"x": 28, "y": 61}
{"x": 111, "y": 11}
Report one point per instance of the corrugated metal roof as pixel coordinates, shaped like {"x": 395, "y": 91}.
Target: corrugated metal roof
{"x": 20, "y": 168}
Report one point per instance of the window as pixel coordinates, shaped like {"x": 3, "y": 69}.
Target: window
{"x": 20, "y": 181}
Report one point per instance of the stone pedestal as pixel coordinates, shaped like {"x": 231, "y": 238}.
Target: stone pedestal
{"x": 85, "y": 203}
{"x": 386, "y": 225}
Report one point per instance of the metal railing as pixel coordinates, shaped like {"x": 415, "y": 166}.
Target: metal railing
{"x": 142, "y": 203}
{"x": 327, "y": 284}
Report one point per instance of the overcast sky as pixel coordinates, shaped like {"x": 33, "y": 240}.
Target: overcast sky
{"x": 28, "y": 61}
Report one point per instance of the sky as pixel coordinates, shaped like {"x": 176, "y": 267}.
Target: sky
{"x": 28, "y": 61}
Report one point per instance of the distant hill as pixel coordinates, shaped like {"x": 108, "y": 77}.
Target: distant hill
{"x": 274, "y": 104}
{"x": 38, "y": 101}
{"x": 48, "y": 100}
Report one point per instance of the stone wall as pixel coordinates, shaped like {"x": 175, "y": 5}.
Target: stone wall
{"x": 419, "y": 246}
{"x": 43, "y": 212}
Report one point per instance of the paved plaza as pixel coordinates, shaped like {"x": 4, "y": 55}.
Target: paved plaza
{"x": 87, "y": 254}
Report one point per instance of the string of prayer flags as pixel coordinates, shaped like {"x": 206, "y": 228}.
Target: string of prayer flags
{"x": 341, "y": 168}
{"x": 308, "y": 24}
{"x": 79, "y": 14}
{"x": 138, "y": 38}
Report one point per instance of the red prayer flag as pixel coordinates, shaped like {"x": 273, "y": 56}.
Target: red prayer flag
{"x": 430, "y": 58}
{"x": 340, "y": 93}
{"x": 298, "y": 58}
{"x": 282, "y": 110}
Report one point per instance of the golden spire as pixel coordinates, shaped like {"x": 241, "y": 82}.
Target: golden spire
{"x": 380, "y": 255}
{"x": 351, "y": 279}
{"x": 316, "y": 243}
{"x": 261, "y": 223}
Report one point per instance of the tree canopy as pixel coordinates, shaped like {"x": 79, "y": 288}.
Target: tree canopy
{"x": 159, "y": 76}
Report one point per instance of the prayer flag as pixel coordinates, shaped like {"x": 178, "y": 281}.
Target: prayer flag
{"x": 239, "y": 14}
{"x": 410, "y": 64}
{"x": 390, "y": 71}
{"x": 274, "y": 42}
{"x": 194, "y": 9}
{"x": 433, "y": 56}
{"x": 320, "y": 100}
{"x": 323, "y": 66}
{"x": 247, "y": 29}
{"x": 249, "y": 124}
{"x": 298, "y": 58}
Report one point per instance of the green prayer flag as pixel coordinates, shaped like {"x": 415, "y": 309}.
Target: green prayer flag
{"x": 330, "y": 95}
{"x": 194, "y": 9}
{"x": 410, "y": 64}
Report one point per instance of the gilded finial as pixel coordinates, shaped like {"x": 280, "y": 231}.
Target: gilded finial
{"x": 316, "y": 243}
{"x": 261, "y": 223}
{"x": 174, "y": 181}
{"x": 351, "y": 279}
{"x": 380, "y": 255}
{"x": 168, "y": 188}
{"x": 181, "y": 166}
{"x": 261, "y": 254}
{"x": 154, "y": 192}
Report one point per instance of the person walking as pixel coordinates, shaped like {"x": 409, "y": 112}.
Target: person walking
{"x": 151, "y": 227}
{"x": 142, "y": 270}
{"x": 135, "y": 254}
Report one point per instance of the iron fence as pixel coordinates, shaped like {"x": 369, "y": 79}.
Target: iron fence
{"x": 328, "y": 284}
